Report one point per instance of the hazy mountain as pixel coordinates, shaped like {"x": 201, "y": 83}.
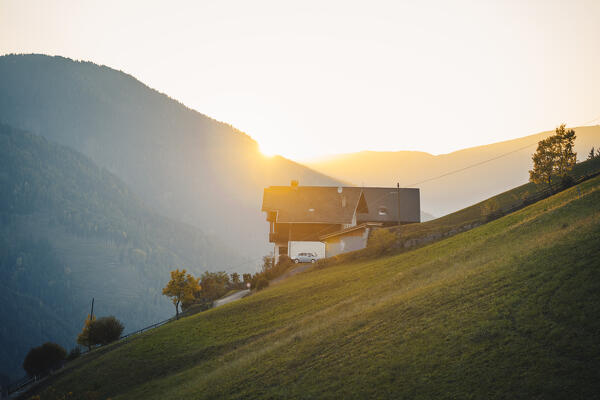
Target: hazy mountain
{"x": 509, "y": 166}
{"x": 70, "y": 231}
{"x": 182, "y": 163}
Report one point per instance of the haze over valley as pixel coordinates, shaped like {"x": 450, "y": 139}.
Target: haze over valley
{"x": 338, "y": 200}
{"x": 449, "y": 182}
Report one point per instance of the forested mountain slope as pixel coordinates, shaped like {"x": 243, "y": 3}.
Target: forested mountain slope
{"x": 504, "y": 165}
{"x": 70, "y": 231}
{"x": 184, "y": 164}
{"x": 507, "y": 310}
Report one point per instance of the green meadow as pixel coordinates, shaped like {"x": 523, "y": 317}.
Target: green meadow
{"x": 510, "y": 309}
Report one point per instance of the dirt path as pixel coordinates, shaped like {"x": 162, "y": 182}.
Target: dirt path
{"x": 296, "y": 270}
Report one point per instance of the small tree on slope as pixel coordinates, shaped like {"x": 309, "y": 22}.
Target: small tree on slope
{"x": 181, "y": 288}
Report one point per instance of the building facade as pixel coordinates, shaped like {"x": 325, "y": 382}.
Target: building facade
{"x": 333, "y": 220}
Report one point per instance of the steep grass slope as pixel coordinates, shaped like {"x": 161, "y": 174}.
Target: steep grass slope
{"x": 508, "y": 310}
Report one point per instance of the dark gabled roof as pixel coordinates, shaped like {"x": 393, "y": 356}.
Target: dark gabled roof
{"x": 312, "y": 204}
{"x": 382, "y": 204}
{"x": 336, "y": 205}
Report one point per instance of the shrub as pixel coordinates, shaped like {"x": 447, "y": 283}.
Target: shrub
{"x": 490, "y": 207}
{"x": 74, "y": 353}
{"x": 262, "y": 283}
{"x": 380, "y": 241}
{"x": 106, "y": 330}
{"x": 41, "y": 360}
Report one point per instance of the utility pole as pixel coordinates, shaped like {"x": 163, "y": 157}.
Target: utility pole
{"x": 90, "y": 332}
{"x": 398, "y": 191}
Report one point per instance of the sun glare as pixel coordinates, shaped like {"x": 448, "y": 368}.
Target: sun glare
{"x": 267, "y": 151}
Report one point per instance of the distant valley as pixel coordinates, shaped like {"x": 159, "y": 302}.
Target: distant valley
{"x": 508, "y": 164}
{"x": 71, "y": 231}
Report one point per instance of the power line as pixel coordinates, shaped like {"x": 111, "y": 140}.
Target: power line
{"x": 450, "y": 173}
{"x": 473, "y": 165}
{"x": 592, "y": 120}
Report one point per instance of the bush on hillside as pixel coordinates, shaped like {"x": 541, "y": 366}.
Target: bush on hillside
{"x": 490, "y": 209}
{"x": 262, "y": 283}
{"x": 106, "y": 330}
{"x": 43, "y": 359}
{"x": 214, "y": 285}
{"x": 380, "y": 241}
{"x": 271, "y": 270}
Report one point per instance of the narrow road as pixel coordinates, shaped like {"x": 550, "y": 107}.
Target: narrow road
{"x": 229, "y": 299}
{"x": 296, "y": 270}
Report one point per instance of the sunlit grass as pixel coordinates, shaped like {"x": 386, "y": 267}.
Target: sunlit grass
{"x": 507, "y": 310}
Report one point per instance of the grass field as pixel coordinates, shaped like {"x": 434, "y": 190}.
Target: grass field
{"x": 507, "y": 310}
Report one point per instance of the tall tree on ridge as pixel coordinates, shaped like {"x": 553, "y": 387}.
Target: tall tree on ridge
{"x": 554, "y": 157}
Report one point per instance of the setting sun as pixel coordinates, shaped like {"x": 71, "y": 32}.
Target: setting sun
{"x": 267, "y": 151}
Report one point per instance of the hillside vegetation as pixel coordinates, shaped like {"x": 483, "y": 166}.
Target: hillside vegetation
{"x": 184, "y": 164}
{"x": 485, "y": 210}
{"x": 70, "y": 231}
{"x": 506, "y": 310}
{"x": 510, "y": 161}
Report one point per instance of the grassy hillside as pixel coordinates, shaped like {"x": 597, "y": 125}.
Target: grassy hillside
{"x": 70, "y": 231}
{"x": 507, "y": 310}
{"x": 478, "y": 213}
{"x": 184, "y": 164}
{"x": 453, "y": 192}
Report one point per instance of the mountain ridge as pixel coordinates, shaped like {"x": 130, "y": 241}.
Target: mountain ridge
{"x": 451, "y": 181}
{"x": 185, "y": 165}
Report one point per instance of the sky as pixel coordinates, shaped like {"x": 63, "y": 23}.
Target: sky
{"x": 311, "y": 78}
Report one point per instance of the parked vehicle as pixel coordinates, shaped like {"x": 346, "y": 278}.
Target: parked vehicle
{"x": 305, "y": 258}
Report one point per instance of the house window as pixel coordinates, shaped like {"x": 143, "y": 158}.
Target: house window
{"x": 382, "y": 211}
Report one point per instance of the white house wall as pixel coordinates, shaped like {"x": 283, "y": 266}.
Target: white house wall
{"x": 346, "y": 243}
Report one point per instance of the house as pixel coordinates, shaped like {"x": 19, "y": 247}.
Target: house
{"x": 330, "y": 220}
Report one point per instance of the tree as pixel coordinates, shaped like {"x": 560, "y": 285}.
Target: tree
{"x": 268, "y": 263}
{"x": 85, "y": 338}
{"x": 181, "y": 288}
{"x": 564, "y": 144}
{"x": 107, "y": 330}
{"x": 214, "y": 284}
{"x": 554, "y": 157}
{"x": 235, "y": 278}
{"x": 44, "y": 358}
{"x": 100, "y": 331}
{"x": 247, "y": 277}
{"x": 591, "y": 154}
